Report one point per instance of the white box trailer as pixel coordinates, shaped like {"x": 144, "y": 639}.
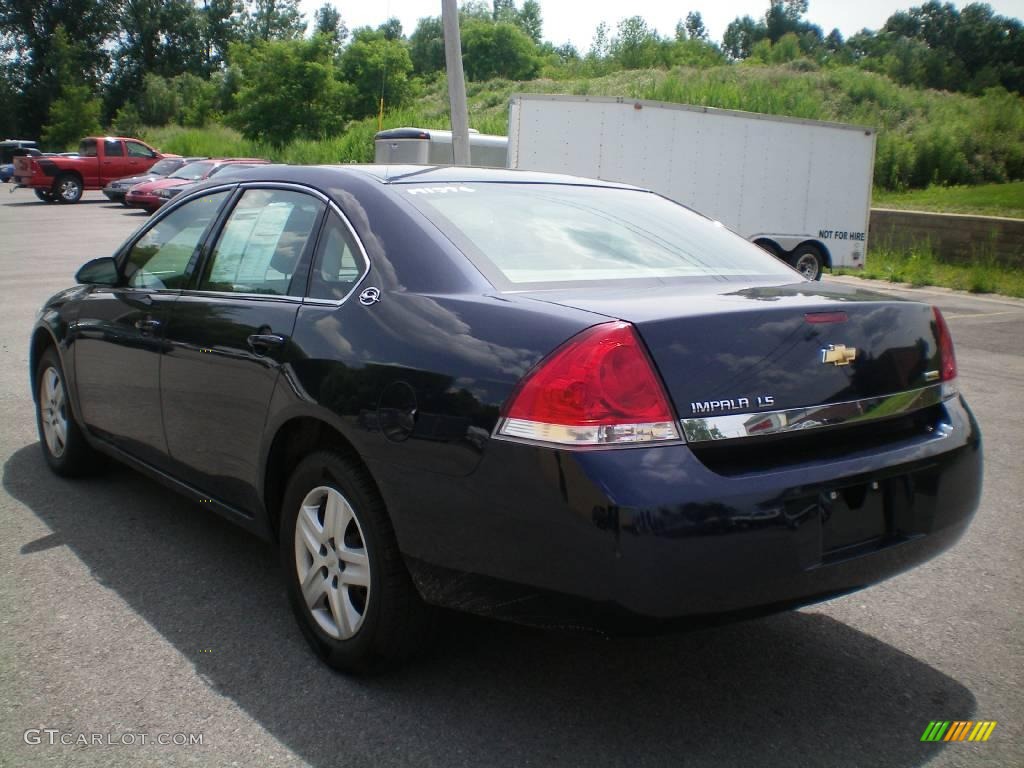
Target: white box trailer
{"x": 799, "y": 188}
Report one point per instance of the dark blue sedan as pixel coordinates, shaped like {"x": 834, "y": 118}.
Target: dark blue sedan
{"x": 541, "y": 398}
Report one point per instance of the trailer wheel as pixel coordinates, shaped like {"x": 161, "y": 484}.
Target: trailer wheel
{"x": 67, "y": 188}
{"x": 44, "y": 195}
{"x": 808, "y": 260}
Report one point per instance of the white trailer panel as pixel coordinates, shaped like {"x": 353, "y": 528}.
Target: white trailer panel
{"x": 783, "y": 181}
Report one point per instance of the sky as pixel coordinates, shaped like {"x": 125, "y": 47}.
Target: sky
{"x": 575, "y": 20}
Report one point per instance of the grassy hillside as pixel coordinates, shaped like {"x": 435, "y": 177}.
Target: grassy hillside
{"x": 984, "y": 199}
{"x": 925, "y": 137}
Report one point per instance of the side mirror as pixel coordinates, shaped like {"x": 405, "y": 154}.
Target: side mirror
{"x": 101, "y": 271}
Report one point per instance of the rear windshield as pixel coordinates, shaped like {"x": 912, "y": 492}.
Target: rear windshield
{"x": 165, "y": 166}
{"x": 539, "y": 234}
{"x": 192, "y": 171}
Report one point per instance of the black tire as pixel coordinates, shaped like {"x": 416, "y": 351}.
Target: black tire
{"x": 44, "y": 195}
{"x": 394, "y": 621}
{"x": 70, "y": 456}
{"x": 67, "y": 188}
{"x": 808, "y": 260}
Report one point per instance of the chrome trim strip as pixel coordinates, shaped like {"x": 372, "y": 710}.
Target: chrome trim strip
{"x": 734, "y": 426}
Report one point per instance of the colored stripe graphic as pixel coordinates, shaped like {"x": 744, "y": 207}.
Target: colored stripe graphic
{"x": 958, "y": 730}
{"x": 935, "y": 731}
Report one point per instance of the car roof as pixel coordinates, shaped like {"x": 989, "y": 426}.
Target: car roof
{"x": 418, "y": 174}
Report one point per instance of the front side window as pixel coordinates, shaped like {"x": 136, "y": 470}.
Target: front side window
{"x": 136, "y": 149}
{"x": 338, "y": 264}
{"x": 162, "y": 258}
{"x": 113, "y": 148}
{"x": 262, "y": 243}
{"x": 543, "y": 234}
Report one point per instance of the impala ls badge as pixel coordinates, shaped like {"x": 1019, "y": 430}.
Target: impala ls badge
{"x": 838, "y": 354}
{"x": 369, "y": 296}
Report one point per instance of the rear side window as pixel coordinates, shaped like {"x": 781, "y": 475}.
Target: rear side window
{"x": 87, "y": 147}
{"x": 261, "y": 246}
{"x": 112, "y": 148}
{"x": 162, "y": 258}
{"x": 338, "y": 264}
{"x": 135, "y": 149}
{"x": 542, "y": 234}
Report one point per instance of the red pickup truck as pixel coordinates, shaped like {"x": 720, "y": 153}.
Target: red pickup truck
{"x": 100, "y": 160}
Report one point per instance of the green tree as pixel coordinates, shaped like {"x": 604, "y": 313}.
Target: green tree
{"x": 197, "y": 99}
{"x": 274, "y": 20}
{"x": 600, "y": 46}
{"x": 504, "y": 10}
{"x": 158, "y": 101}
{"x": 28, "y": 29}
{"x": 288, "y": 89}
{"x": 695, "y": 28}
{"x": 158, "y": 37}
{"x": 498, "y": 50}
{"x": 636, "y": 45}
{"x": 741, "y": 36}
{"x": 529, "y": 20}
{"x": 375, "y": 66}
{"x": 74, "y": 114}
{"x": 76, "y": 111}
{"x": 426, "y": 46}
{"x": 391, "y": 29}
{"x": 327, "y": 21}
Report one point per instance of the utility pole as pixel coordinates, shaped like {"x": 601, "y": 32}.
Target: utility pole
{"x": 456, "y": 81}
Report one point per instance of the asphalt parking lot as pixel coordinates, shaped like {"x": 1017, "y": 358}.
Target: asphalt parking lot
{"x": 127, "y": 610}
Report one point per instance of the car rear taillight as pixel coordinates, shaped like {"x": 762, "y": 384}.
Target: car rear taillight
{"x": 599, "y": 388}
{"x": 947, "y": 358}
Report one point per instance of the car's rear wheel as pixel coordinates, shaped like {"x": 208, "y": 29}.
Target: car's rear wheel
{"x": 68, "y": 188}
{"x": 64, "y": 446}
{"x": 808, "y": 260}
{"x": 45, "y": 195}
{"x": 346, "y": 580}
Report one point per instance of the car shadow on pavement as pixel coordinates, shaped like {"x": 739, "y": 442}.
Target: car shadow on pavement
{"x": 793, "y": 689}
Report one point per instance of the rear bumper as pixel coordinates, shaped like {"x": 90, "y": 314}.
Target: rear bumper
{"x": 652, "y": 532}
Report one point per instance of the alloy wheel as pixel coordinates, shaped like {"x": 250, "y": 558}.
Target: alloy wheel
{"x": 53, "y": 412}
{"x": 332, "y": 563}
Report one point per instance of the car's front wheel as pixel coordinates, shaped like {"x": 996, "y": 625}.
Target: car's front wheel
{"x": 64, "y": 446}
{"x": 45, "y": 195}
{"x": 346, "y": 580}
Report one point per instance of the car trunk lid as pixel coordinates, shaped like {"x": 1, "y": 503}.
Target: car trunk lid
{"x": 763, "y": 348}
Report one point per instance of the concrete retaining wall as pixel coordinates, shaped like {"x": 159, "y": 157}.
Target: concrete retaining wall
{"x": 954, "y": 238}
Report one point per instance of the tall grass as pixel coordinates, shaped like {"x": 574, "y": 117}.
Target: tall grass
{"x": 919, "y": 267}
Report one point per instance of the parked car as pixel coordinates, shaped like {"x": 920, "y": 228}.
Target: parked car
{"x": 543, "y": 398}
{"x": 117, "y": 189}
{"x": 151, "y": 195}
{"x": 100, "y": 159}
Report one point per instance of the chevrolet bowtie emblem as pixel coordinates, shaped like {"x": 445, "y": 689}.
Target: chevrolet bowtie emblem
{"x": 838, "y": 354}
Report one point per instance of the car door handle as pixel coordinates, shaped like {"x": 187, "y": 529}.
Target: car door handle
{"x": 263, "y": 342}
{"x": 147, "y": 325}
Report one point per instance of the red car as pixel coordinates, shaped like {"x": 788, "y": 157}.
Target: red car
{"x": 151, "y": 195}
